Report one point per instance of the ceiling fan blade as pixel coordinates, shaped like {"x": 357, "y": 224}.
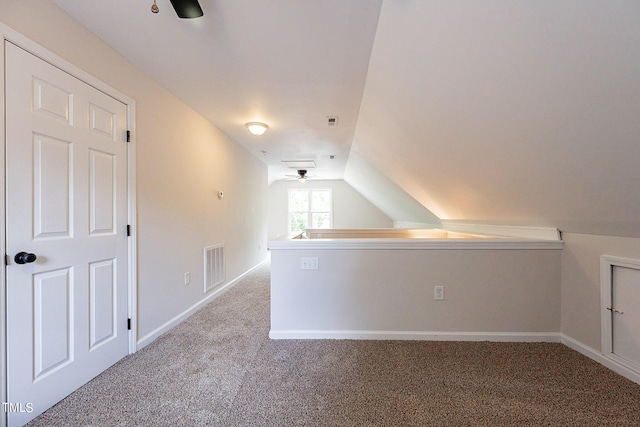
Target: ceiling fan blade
{"x": 187, "y": 8}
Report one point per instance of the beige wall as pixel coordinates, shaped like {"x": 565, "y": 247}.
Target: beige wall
{"x": 581, "y": 282}
{"x": 182, "y": 160}
{"x": 487, "y": 291}
{"x": 350, "y": 209}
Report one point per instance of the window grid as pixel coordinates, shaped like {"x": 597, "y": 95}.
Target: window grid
{"x": 310, "y": 208}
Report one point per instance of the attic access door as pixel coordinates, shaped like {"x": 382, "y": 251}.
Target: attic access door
{"x": 67, "y": 206}
{"x": 620, "y": 288}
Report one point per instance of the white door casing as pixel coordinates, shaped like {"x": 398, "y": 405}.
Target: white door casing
{"x": 67, "y": 202}
{"x": 626, "y": 317}
{"x": 620, "y": 299}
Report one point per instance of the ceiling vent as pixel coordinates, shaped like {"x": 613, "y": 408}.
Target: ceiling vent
{"x": 300, "y": 164}
{"x": 332, "y": 121}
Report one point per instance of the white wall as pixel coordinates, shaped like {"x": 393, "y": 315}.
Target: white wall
{"x": 350, "y": 209}
{"x": 182, "y": 160}
{"x": 509, "y": 112}
{"x": 381, "y": 293}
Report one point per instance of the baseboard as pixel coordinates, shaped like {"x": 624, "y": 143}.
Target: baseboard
{"x": 601, "y": 358}
{"x": 150, "y": 337}
{"x": 418, "y": 335}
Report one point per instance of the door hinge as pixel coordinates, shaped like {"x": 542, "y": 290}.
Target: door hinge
{"x": 128, "y": 230}
{"x": 129, "y": 324}
{"x": 128, "y": 136}
{"x": 6, "y": 259}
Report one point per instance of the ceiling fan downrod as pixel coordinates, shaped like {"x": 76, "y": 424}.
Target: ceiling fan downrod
{"x": 184, "y": 8}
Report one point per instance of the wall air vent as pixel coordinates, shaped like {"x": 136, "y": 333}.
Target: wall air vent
{"x": 214, "y": 274}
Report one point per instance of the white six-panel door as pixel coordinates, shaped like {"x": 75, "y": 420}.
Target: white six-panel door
{"x": 66, "y": 179}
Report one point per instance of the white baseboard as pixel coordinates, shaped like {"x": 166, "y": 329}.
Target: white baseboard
{"x": 601, "y": 358}
{"x": 150, "y": 337}
{"x": 419, "y": 336}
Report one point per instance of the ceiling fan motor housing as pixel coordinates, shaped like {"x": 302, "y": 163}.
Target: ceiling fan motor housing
{"x": 187, "y": 8}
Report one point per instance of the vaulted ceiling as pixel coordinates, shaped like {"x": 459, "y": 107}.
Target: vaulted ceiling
{"x": 491, "y": 111}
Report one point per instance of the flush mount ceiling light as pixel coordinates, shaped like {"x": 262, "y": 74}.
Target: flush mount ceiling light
{"x": 257, "y": 128}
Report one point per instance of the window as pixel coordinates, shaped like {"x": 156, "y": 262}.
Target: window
{"x": 310, "y": 208}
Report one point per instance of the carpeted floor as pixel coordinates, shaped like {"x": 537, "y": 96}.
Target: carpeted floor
{"x": 219, "y": 368}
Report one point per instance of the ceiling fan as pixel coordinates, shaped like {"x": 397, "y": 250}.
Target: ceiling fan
{"x": 184, "y": 8}
{"x": 302, "y": 175}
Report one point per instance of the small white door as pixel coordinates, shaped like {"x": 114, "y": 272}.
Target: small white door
{"x": 625, "y": 320}
{"x": 66, "y": 204}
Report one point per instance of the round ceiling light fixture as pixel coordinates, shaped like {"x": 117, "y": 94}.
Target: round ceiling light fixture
{"x": 257, "y": 128}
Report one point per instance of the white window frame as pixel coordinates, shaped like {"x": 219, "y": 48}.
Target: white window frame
{"x": 310, "y": 212}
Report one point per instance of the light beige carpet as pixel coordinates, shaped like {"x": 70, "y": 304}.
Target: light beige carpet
{"x": 219, "y": 368}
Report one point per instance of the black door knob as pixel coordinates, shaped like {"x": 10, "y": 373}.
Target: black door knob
{"x": 24, "y": 258}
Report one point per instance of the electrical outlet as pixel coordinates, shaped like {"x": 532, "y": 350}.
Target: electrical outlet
{"x": 187, "y": 278}
{"x": 438, "y": 293}
{"x": 309, "y": 263}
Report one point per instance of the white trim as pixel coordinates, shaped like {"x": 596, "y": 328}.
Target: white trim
{"x": 151, "y": 336}
{"x": 607, "y": 263}
{"x": 375, "y": 233}
{"x": 132, "y": 291}
{"x": 601, "y": 358}
{"x": 382, "y": 243}
{"x": 417, "y": 335}
{"x": 413, "y": 224}
{"x": 543, "y": 233}
{"x": 3, "y": 243}
{"x": 606, "y": 324}
{"x": 310, "y": 212}
{"x": 55, "y": 60}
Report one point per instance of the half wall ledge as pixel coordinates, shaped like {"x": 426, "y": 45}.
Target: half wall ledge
{"x": 414, "y": 284}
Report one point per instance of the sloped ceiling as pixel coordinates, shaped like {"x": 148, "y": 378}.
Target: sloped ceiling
{"x": 508, "y": 112}
{"x": 289, "y": 64}
{"x": 493, "y": 111}
{"x": 386, "y": 195}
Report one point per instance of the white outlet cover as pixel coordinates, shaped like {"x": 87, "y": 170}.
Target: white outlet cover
{"x": 309, "y": 263}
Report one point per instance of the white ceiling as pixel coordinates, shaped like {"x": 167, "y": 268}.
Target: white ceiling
{"x": 289, "y": 64}
{"x": 507, "y": 112}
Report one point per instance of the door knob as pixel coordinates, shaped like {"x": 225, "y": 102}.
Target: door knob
{"x": 24, "y": 258}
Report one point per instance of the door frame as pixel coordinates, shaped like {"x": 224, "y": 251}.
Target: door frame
{"x": 607, "y": 262}
{"x": 8, "y": 34}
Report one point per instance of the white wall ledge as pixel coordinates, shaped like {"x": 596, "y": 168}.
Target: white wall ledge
{"x": 419, "y": 239}
{"x": 544, "y": 233}
{"x": 414, "y": 244}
